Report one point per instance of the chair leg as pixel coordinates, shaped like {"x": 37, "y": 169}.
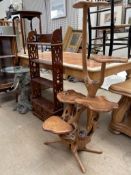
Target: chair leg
{"x": 91, "y": 151}
{"x": 75, "y": 153}
{"x": 129, "y": 43}
{"x": 111, "y": 40}
{"x": 51, "y": 142}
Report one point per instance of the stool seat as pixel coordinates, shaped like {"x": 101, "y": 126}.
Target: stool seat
{"x": 56, "y": 125}
{"x": 97, "y": 104}
{"x": 123, "y": 88}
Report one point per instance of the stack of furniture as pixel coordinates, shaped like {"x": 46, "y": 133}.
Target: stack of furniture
{"x": 67, "y": 126}
{"x": 41, "y": 105}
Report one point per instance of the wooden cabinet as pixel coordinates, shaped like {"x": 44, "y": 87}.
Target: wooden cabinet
{"x": 8, "y": 57}
{"x": 42, "y": 106}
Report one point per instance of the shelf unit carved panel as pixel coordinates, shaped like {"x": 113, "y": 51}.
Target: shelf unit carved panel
{"x": 43, "y": 107}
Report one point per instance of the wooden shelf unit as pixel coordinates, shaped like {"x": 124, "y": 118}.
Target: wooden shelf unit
{"x": 42, "y": 106}
{"x": 8, "y": 57}
{"x": 30, "y": 15}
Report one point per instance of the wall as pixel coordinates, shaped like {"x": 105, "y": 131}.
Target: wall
{"x": 49, "y": 25}
{"x": 6, "y": 3}
{"x": 4, "y": 7}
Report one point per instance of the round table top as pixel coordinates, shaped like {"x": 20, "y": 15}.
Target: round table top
{"x": 16, "y": 70}
{"x": 88, "y": 4}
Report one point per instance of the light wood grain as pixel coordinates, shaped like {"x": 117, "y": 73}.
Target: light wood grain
{"x": 56, "y": 125}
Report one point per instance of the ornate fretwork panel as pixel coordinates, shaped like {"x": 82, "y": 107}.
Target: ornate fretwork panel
{"x": 43, "y": 107}
{"x": 57, "y": 66}
{"x": 36, "y": 90}
{"x": 33, "y": 55}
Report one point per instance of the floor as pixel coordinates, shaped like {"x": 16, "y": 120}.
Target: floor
{"x": 22, "y": 151}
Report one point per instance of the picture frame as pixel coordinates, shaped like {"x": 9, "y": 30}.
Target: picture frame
{"x": 129, "y": 1}
{"x": 58, "y": 9}
{"x": 115, "y": 1}
{"x": 72, "y": 40}
{"x": 128, "y": 15}
{"x": 105, "y": 17}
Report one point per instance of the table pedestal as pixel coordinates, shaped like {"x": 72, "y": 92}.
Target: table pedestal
{"x": 23, "y": 105}
{"x": 21, "y": 84}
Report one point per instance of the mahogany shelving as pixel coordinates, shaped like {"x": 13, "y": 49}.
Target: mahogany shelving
{"x": 42, "y": 106}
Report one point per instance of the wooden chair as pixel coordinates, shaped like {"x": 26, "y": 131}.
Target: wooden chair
{"x": 121, "y": 118}
{"x": 67, "y": 127}
{"x": 111, "y": 29}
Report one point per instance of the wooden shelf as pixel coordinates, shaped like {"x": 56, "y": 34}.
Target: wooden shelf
{"x": 40, "y": 61}
{"x": 8, "y": 79}
{"x": 8, "y": 36}
{"x": 6, "y": 86}
{"x": 45, "y": 64}
{"x": 7, "y": 56}
{"x": 44, "y": 108}
{"x": 44, "y": 103}
{"x": 44, "y": 43}
{"x": 43, "y": 81}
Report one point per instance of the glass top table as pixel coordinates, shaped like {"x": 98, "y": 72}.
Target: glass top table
{"x": 22, "y": 79}
{"x": 15, "y": 70}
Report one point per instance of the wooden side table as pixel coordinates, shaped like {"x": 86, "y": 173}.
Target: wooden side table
{"x": 22, "y": 83}
{"x": 26, "y": 15}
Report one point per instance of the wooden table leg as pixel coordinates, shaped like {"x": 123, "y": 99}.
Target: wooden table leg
{"x": 128, "y": 74}
{"x": 121, "y": 119}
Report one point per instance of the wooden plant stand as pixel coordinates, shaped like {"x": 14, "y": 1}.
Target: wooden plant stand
{"x": 67, "y": 127}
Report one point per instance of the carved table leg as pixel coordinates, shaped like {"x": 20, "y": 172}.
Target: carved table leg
{"x": 75, "y": 153}
{"x": 128, "y": 74}
{"x": 119, "y": 116}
